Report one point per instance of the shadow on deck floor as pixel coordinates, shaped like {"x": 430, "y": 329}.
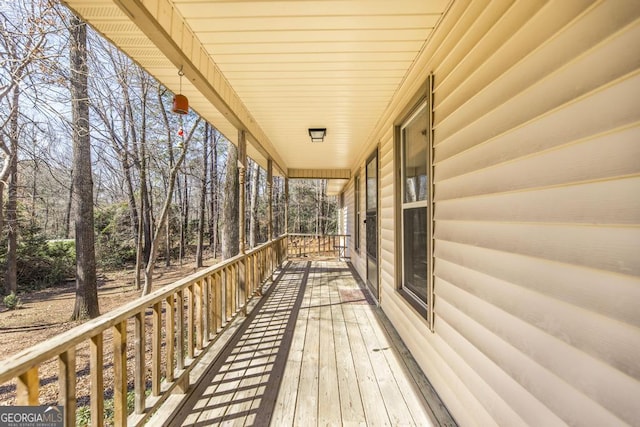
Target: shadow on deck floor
{"x": 314, "y": 351}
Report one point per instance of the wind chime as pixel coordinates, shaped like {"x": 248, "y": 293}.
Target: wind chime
{"x": 180, "y": 106}
{"x": 180, "y": 102}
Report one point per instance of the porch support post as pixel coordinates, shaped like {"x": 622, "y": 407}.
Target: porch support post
{"x": 242, "y": 170}
{"x": 270, "y": 198}
{"x": 286, "y": 205}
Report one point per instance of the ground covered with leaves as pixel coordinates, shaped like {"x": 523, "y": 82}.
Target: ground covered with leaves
{"x": 45, "y": 313}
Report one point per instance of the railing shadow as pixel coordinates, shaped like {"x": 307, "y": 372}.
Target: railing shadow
{"x": 243, "y": 384}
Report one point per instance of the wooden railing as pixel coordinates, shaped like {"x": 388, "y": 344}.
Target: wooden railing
{"x": 314, "y": 245}
{"x": 184, "y": 319}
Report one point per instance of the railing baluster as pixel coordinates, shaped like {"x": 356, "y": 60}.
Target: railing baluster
{"x": 235, "y": 288}
{"x": 227, "y": 295}
{"x": 256, "y": 274}
{"x": 180, "y": 330}
{"x": 206, "y": 283}
{"x": 170, "y": 325}
{"x": 247, "y": 279}
{"x": 156, "y": 349}
{"x": 217, "y": 295}
{"x": 140, "y": 353}
{"x": 190, "y": 321}
{"x": 120, "y": 374}
{"x": 199, "y": 314}
{"x": 28, "y": 388}
{"x": 272, "y": 257}
{"x": 67, "y": 384}
{"x": 303, "y": 245}
{"x": 96, "y": 367}
{"x": 242, "y": 290}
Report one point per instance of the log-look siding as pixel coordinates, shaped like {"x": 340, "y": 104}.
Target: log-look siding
{"x": 537, "y": 212}
{"x": 196, "y": 311}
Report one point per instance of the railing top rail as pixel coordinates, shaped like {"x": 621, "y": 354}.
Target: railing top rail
{"x": 317, "y": 235}
{"x": 35, "y": 355}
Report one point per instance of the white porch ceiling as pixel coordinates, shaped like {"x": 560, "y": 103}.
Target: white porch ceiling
{"x": 289, "y": 64}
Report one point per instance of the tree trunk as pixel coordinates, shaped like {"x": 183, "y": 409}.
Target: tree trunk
{"x": 67, "y": 218}
{"x": 167, "y": 128}
{"x": 139, "y": 246}
{"x": 184, "y": 227}
{"x": 180, "y": 203}
{"x": 253, "y": 204}
{"x": 1, "y": 206}
{"x": 230, "y": 211}
{"x": 11, "y": 274}
{"x": 213, "y": 194}
{"x": 148, "y": 272}
{"x": 86, "y": 304}
{"x": 34, "y": 190}
{"x": 133, "y": 209}
{"x": 143, "y": 249}
{"x": 203, "y": 195}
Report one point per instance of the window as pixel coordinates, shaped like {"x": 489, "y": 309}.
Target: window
{"x": 414, "y": 204}
{"x": 356, "y": 210}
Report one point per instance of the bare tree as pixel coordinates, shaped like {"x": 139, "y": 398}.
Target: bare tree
{"x": 148, "y": 272}
{"x": 86, "y": 304}
{"x": 22, "y": 40}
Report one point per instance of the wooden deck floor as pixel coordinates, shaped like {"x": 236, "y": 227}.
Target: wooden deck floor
{"x": 315, "y": 353}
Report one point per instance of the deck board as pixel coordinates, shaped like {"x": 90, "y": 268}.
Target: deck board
{"x": 312, "y": 353}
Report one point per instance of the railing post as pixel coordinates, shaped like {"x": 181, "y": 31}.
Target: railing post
{"x": 269, "y": 200}
{"x": 242, "y": 170}
{"x": 286, "y": 205}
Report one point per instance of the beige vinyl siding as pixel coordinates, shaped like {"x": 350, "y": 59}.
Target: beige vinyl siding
{"x": 537, "y": 212}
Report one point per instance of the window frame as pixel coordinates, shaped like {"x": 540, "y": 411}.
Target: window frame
{"x": 420, "y": 104}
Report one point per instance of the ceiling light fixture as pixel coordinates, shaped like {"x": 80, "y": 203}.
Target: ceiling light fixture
{"x": 317, "y": 134}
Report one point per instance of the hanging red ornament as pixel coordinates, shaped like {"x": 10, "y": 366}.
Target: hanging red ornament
{"x": 180, "y": 132}
{"x": 180, "y": 102}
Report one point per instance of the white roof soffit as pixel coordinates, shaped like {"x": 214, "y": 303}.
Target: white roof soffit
{"x": 281, "y": 66}
{"x": 162, "y": 43}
